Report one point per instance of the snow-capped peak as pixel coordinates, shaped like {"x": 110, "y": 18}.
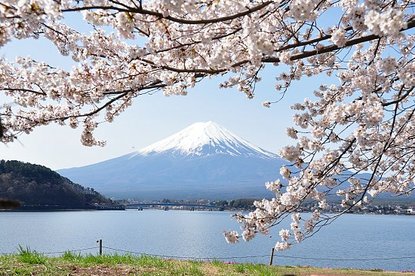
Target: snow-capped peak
{"x": 205, "y": 138}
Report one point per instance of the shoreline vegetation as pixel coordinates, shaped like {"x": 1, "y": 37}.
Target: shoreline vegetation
{"x": 46, "y": 208}
{"x": 381, "y": 206}
{"x": 28, "y": 262}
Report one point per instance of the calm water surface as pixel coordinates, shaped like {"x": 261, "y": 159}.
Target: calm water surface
{"x": 199, "y": 235}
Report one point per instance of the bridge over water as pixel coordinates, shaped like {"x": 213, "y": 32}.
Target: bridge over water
{"x": 169, "y": 205}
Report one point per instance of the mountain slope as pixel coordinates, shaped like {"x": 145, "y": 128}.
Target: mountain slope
{"x": 37, "y": 187}
{"x": 203, "y": 160}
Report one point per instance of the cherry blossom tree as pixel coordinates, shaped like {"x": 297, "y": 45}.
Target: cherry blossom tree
{"x": 361, "y": 123}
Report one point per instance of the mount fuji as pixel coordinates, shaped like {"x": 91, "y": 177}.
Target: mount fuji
{"x": 204, "y": 160}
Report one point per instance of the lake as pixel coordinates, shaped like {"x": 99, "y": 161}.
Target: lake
{"x": 389, "y": 241}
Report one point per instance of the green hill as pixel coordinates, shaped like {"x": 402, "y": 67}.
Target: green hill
{"x": 38, "y": 187}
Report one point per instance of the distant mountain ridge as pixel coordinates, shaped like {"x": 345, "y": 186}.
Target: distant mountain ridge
{"x": 204, "y": 160}
{"x": 38, "y": 187}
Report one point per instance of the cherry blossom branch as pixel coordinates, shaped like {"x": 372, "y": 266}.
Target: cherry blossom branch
{"x": 159, "y": 15}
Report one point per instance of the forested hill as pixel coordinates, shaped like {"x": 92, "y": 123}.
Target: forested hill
{"x": 38, "y": 187}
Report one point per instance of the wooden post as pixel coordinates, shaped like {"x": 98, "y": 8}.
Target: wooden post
{"x": 100, "y": 247}
{"x": 272, "y": 256}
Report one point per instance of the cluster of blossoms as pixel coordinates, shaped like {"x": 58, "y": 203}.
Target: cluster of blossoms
{"x": 362, "y": 123}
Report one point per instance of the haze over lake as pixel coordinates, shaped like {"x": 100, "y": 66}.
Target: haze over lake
{"x": 388, "y": 241}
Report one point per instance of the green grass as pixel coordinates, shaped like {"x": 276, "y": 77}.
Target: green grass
{"x": 28, "y": 262}
{"x": 30, "y": 257}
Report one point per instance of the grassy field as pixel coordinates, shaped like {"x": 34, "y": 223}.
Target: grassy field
{"x": 31, "y": 263}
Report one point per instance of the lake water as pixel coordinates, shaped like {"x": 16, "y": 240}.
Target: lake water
{"x": 388, "y": 240}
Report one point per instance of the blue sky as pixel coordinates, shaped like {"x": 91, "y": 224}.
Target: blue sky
{"x": 154, "y": 117}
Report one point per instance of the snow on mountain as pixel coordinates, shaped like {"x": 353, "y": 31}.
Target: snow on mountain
{"x": 205, "y": 138}
{"x": 203, "y": 160}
